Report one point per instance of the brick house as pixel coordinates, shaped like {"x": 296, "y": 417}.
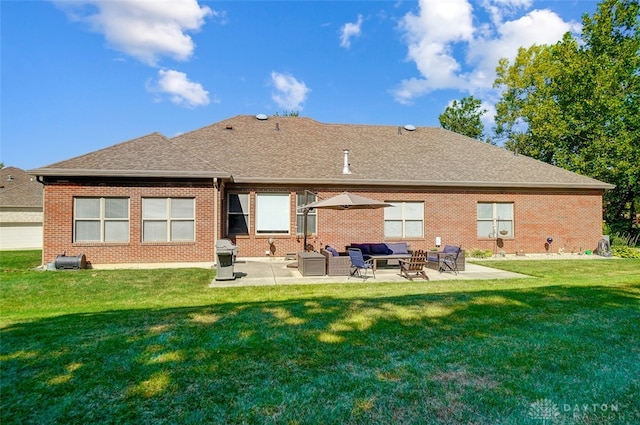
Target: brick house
{"x": 157, "y": 199}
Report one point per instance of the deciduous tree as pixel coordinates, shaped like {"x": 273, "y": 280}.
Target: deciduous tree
{"x": 575, "y": 104}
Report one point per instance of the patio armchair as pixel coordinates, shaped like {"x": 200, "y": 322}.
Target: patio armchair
{"x": 358, "y": 264}
{"x": 449, "y": 259}
{"x": 434, "y": 258}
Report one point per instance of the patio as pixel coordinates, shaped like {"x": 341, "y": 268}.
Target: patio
{"x": 275, "y": 271}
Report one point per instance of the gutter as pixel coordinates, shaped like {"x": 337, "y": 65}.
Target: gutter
{"x": 423, "y": 183}
{"x": 65, "y": 172}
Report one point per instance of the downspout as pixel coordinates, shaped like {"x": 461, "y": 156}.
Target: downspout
{"x": 216, "y": 218}
{"x": 44, "y": 193}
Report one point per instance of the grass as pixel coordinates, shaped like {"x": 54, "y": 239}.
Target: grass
{"x": 161, "y": 347}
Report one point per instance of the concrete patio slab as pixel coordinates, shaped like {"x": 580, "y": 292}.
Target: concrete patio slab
{"x": 276, "y": 271}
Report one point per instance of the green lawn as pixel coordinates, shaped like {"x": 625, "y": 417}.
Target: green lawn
{"x": 160, "y": 347}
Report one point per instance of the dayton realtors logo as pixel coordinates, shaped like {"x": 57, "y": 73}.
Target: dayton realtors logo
{"x": 548, "y": 412}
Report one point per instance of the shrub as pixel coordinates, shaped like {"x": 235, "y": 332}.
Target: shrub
{"x": 481, "y": 253}
{"x": 625, "y": 239}
{"x": 625, "y": 252}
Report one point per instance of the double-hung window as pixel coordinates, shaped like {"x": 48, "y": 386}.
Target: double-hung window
{"x": 312, "y": 216}
{"x": 404, "y": 220}
{"x": 238, "y": 214}
{"x": 101, "y": 220}
{"x": 495, "y": 219}
{"x": 168, "y": 219}
{"x": 273, "y": 213}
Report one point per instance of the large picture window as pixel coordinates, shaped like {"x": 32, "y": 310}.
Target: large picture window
{"x": 495, "y": 219}
{"x": 312, "y": 216}
{"x": 238, "y": 214}
{"x": 272, "y": 213}
{"x": 101, "y": 220}
{"x": 168, "y": 219}
{"x": 404, "y": 220}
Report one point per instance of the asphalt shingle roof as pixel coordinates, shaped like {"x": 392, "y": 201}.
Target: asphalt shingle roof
{"x": 19, "y": 189}
{"x": 302, "y": 150}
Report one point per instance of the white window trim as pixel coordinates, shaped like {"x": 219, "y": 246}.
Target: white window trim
{"x": 403, "y": 219}
{"x": 312, "y": 214}
{"x": 497, "y": 224}
{"x": 102, "y": 219}
{"x": 247, "y": 214}
{"x": 169, "y": 220}
{"x": 259, "y": 220}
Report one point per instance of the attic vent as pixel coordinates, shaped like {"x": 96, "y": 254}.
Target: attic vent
{"x": 410, "y": 127}
{"x": 261, "y": 117}
{"x": 228, "y": 127}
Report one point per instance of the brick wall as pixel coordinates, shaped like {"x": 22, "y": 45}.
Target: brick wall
{"x": 58, "y": 224}
{"x": 572, "y": 219}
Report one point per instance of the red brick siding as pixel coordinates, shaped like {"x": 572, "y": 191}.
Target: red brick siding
{"x": 572, "y": 219}
{"x": 58, "y": 225}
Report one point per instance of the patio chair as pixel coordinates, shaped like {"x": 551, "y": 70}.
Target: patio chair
{"x": 414, "y": 266}
{"x": 449, "y": 259}
{"x": 358, "y": 264}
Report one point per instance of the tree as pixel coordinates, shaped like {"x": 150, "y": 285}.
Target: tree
{"x": 464, "y": 117}
{"x": 575, "y": 104}
{"x": 286, "y": 113}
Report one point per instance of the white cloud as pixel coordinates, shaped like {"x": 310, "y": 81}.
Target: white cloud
{"x": 350, "y": 30}
{"x": 144, "y": 29}
{"x": 180, "y": 90}
{"x": 438, "y": 34}
{"x": 290, "y": 93}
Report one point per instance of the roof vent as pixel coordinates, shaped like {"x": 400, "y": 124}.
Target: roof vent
{"x": 261, "y": 117}
{"x": 345, "y": 166}
{"x": 410, "y": 127}
{"x": 228, "y": 127}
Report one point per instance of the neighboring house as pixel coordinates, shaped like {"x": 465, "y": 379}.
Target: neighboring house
{"x": 20, "y": 210}
{"x": 158, "y": 199}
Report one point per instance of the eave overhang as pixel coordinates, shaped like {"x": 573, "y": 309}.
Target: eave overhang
{"x": 423, "y": 183}
{"x": 65, "y": 172}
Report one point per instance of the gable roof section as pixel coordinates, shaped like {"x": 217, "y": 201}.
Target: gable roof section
{"x": 19, "y": 189}
{"x": 297, "y": 150}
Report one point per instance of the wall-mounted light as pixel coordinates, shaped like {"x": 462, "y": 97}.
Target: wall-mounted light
{"x": 438, "y": 241}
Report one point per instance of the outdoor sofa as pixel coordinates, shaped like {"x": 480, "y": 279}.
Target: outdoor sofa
{"x": 383, "y": 251}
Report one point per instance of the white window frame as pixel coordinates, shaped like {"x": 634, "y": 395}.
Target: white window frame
{"x": 398, "y": 213}
{"x": 303, "y": 198}
{"x": 273, "y": 213}
{"x": 497, "y": 223}
{"x": 169, "y": 219}
{"x": 241, "y": 196}
{"x": 101, "y": 218}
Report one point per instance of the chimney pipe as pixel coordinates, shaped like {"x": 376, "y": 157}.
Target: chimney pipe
{"x": 345, "y": 167}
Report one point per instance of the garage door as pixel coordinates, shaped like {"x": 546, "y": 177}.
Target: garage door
{"x": 20, "y": 236}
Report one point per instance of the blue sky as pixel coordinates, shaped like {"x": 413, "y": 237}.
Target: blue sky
{"x": 78, "y": 76}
